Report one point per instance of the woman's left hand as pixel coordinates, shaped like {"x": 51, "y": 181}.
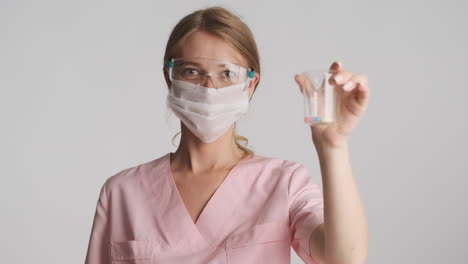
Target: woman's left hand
{"x": 352, "y": 96}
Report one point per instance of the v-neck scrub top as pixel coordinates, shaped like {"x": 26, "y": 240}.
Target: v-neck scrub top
{"x": 263, "y": 207}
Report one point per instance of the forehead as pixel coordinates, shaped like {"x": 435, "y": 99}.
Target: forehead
{"x": 205, "y": 45}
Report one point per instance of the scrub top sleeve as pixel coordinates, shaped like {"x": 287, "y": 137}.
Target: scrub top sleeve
{"x": 305, "y": 211}
{"x": 98, "y": 247}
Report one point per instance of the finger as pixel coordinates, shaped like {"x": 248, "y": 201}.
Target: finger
{"x": 353, "y": 81}
{"x": 363, "y": 94}
{"x": 358, "y": 100}
{"x": 304, "y": 84}
{"x": 308, "y": 87}
{"x": 300, "y": 81}
{"x": 336, "y": 66}
{"x": 361, "y": 78}
{"x": 342, "y": 77}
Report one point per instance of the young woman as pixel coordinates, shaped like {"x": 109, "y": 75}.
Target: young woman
{"x": 215, "y": 201}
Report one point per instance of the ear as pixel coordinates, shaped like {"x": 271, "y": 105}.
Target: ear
{"x": 253, "y": 83}
{"x": 166, "y": 77}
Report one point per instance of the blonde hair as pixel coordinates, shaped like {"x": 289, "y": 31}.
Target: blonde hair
{"x": 222, "y": 23}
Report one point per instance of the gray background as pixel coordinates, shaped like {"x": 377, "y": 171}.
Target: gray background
{"x": 82, "y": 97}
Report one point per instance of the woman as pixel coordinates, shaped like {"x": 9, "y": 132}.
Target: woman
{"x": 215, "y": 201}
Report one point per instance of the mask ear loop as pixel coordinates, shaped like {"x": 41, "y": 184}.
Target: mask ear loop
{"x": 169, "y": 65}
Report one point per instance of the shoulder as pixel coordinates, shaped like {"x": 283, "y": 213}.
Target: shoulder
{"x": 132, "y": 177}
{"x": 296, "y": 173}
{"x": 280, "y": 165}
{"x": 278, "y": 162}
{"x": 289, "y": 175}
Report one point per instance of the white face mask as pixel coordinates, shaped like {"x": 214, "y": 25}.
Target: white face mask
{"x": 207, "y": 112}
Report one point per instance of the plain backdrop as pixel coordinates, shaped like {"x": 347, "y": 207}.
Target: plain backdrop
{"x": 83, "y": 97}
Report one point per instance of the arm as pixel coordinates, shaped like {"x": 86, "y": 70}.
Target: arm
{"x": 98, "y": 246}
{"x": 343, "y": 237}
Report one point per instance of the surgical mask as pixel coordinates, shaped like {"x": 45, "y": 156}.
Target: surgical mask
{"x": 207, "y": 112}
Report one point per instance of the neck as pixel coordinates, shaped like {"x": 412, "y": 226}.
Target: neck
{"x": 195, "y": 156}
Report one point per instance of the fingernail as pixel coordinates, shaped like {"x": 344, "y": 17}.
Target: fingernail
{"x": 347, "y": 86}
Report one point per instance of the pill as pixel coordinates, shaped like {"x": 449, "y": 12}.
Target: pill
{"x": 316, "y": 119}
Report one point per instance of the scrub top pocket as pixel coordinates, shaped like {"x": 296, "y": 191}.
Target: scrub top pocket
{"x": 131, "y": 252}
{"x": 261, "y": 243}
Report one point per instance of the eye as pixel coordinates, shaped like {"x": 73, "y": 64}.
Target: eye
{"x": 190, "y": 72}
{"x": 229, "y": 74}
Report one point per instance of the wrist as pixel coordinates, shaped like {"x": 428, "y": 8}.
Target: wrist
{"x": 330, "y": 153}
{"x": 330, "y": 144}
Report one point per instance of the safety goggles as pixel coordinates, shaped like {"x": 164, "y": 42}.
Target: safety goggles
{"x": 197, "y": 70}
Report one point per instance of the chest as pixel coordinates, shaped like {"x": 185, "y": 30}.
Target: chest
{"x": 197, "y": 191}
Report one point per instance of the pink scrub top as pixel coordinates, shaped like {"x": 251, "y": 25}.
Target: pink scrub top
{"x": 262, "y": 208}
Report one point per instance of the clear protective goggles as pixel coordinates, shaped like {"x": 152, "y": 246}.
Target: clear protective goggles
{"x": 197, "y": 70}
